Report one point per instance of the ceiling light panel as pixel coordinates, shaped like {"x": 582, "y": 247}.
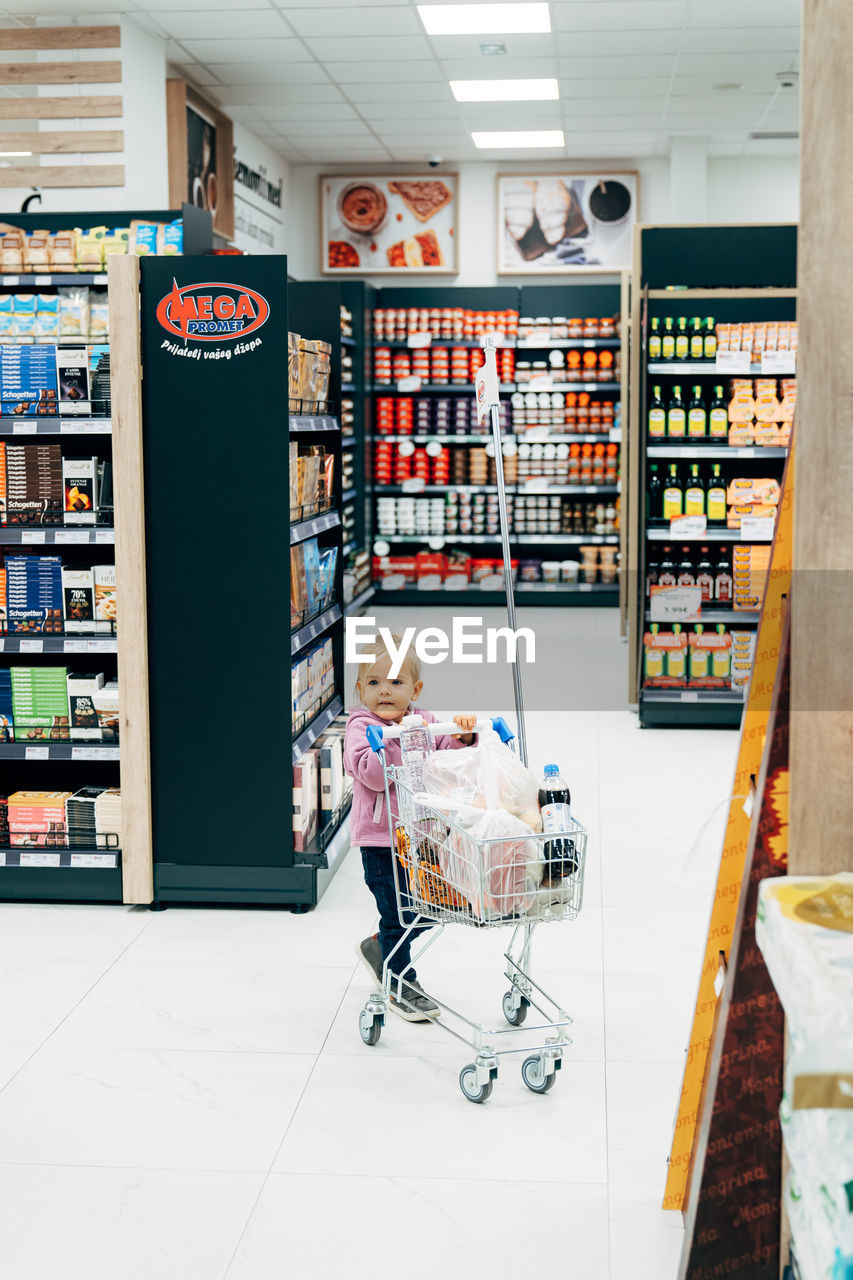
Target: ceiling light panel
{"x": 518, "y": 139}
{"x": 544, "y": 90}
{"x": 484, "y": 19}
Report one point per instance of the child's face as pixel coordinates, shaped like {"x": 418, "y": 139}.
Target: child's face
{"x": 389, "y": 699}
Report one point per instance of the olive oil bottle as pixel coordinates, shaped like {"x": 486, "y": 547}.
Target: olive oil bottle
{"x": 657, "y": 415}
{"x": 718, "y": 424}
{"x": 676, "y": 416}
{"x": 668, "y": 340}
{"x": 673, "y": 494}
{"x": 655, "y": 340}
{"x": 697, "y": 417}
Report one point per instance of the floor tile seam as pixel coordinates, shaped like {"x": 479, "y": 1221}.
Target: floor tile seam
{"x": 293, "y": 1112}
{"x": 606, "y": 1108}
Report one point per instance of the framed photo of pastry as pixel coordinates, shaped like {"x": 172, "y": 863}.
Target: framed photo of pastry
{"x": 404, "y": 225}
{"x": 566, "y": 222}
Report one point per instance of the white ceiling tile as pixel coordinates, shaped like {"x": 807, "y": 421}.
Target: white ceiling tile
{"x": 732, "y": 66}
{"x": 256, "y": 94}
{"x": 325, "y": 129}
{"x": 586, "y": 15}
{"x": 33, "y": 8}
{"x": 287, "y": 5}
{"x": 608, "y": 44}
{"x": 343, "y": 155}
{"x": 269, "y": 73}
{"x": 605, "y": 125}
{"x": 455, "y": 47}
{"x": 616, "y": 67}
{"x": 772, "y": 147}
{"x": 249, "y": 116}
{"x": 196, "y": 73}
{"x": 498, "y": 68}
{"x": 755, "y": 13}
{"x": 397, "y": 72}
{"x": 168, "y": 6}
{"x": 529, "y": 115}
{"x": 281, "y": 50}
{"x": 603, "y": 87}
{"x": 416, "y": 91}
{"x": 346, "y": 49}
{"x": 703, "y": 85}
{"x": 734, "y": 103}
{"x": 364, "y": 20}
{"x": 742, "y": 40}
{"x": 196, "y": 24}
{"x": 382, "y": 111}
{"x": 601, "y": 109}
{"x": 295, "y": 114}
{"x": 176, "y": 52}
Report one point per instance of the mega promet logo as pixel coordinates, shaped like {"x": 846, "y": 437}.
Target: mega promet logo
{"x": 212, "y": 312}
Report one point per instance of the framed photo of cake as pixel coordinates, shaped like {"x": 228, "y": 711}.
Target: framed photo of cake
{"x": 404, "y": 225}
{"x": 564, "y": 223}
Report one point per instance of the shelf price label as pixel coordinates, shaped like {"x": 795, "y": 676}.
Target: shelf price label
{"x": 757, "y": 528}
{"x": 37, "y": 753}
{"x": 415, "y": 484}
{"x": 676, "y": 604}
{"x": 33, "y": 535}
{"x": 75, "y": 646}
{"x": 105, "y": 535}
{"x": 72, "y": 535}
{"x": 733, "y": 362}
{"x": 40, "y": 859}
{"x": 779, "y": 362}
{"x": 93, "y": 859}
{"x": 688, "y": 526}
{"x": 414, "y": 383}
{"x": 100, "y": 646}
{"x": 420, "y": 339}
{"x": 24, "y": 428}
{"x": 31, "y": 646}
{"x": 94, "y": 753}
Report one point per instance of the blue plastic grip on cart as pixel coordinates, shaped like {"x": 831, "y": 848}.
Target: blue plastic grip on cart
{"x": 374, "y": 737}
{"x": 501, "y": 728}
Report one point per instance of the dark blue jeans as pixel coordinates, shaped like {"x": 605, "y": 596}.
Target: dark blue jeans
{"x": 380, "y": 868}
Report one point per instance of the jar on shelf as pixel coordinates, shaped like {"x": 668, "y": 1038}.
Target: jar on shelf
{"x": 607, "y": 327}
{"x": 591, "y": 327}
{"x": 559, "y": 328}
{"x": 575, "y": 328}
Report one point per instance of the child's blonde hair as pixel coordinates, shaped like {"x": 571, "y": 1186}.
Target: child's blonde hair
{"x": 411, "y": 663}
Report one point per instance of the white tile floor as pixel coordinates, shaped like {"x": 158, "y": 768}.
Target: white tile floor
{"x": 185, "y": 1095}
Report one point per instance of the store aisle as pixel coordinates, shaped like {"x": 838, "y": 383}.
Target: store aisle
{"x": 188, "y": 1091}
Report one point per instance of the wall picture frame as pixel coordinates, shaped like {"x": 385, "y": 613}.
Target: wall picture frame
{"x": 566, "y": 222}
{"x": 391, "y": 225}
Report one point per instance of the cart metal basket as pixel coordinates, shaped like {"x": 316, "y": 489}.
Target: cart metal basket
{"x": 448, "y": 874}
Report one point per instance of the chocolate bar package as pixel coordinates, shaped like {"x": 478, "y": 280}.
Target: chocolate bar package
{"x": 80, "y": 478}
{"x": 78, "y": 591}
{"x": 81, "y": 707}
{"x": 105, "y": 597}
{"x": 72, "y": 368}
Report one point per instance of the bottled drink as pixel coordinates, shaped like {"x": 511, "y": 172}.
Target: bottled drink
{"x": 686, "y": 576}
{"x": 415, "y": 746}
{"x": 697, "y": 343}
{"x": 655, "y": 494}
{"x": 554, "y": 802}
{"x": 722, "y": 661}
{"x": 719, "y": 420}
{"x": 676, "y": 659}
{"x": 673, "y": 494}
{"x": 668, "y": 340}
{"x": 655, "y": 340}
{"x": 694, "y": 494}
{"x": 723, "y": 582}
{"x": 705, "y": 576}
{"x": 676, "y": 416}
{"x": 698, "y": 656}
{"x": 716, "y": 507}
{"x": 682, "y": 340}
{"x": 657, "y": 415}
{"x": 697, "y": 418}
{"x": 666, "y": 569}
{"x": 652, "y": 571}
{"x": 710, "y": 340}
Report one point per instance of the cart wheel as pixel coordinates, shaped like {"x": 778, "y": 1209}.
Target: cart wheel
{"x": 370, "y": 1026}
{"x": 533, "y": 1076}
{"x": 468, "y": 1084}
{"x": 515, "y": 1017}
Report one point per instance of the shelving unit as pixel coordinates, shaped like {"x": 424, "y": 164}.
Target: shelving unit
{"x": 742, "y": 273}
{"x": 577, "y": 299}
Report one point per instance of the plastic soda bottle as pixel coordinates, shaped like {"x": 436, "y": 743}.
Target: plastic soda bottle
{"x": 554, "y": 802}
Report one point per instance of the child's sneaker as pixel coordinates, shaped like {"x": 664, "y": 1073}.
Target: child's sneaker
{"x": 370, "y": 954}
{"x": 418, "y": 1006}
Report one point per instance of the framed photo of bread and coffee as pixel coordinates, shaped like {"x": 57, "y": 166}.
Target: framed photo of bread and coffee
{"x": 389, "y": 225}
{"x": 565, "y": 222}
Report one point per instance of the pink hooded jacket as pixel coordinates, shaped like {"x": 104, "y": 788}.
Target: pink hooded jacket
{"x": 368, "y": 819}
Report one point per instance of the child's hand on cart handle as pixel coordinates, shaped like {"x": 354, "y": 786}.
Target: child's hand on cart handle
{"x": 467, "y": 723}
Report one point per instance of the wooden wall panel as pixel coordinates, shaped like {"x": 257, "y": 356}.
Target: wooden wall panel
{"x": 60, "y": 73}
{"x": 60, "y": 38}
{"x": 70, "y": 140}
{"x": 71, "y": 175}
{"x": 82, "y": 108}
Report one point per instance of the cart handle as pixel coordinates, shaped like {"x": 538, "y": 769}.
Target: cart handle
{"x": 378, "y": 735}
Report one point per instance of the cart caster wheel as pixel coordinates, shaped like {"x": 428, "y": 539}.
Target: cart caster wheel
{"x": 534, "y": 1077}
{"x": 468, "y": 1084}
{"x": 370, "y": 1026}
{"x": 515, "y": 1017}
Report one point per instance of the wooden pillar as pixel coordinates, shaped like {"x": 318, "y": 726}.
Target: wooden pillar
{"x": 126, "y": 381}
{"x": 821, "y": 817}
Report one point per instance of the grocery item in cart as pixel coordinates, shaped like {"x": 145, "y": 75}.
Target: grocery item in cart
{"x": 554, "y": 802}
{"x": 494, "y": 861}
{"x": 486, "y": 776}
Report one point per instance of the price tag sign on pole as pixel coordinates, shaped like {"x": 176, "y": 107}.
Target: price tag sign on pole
{"x": 486, "y": 385}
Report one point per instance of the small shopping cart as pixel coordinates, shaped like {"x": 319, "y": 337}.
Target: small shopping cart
{"x": 449, "y": 872}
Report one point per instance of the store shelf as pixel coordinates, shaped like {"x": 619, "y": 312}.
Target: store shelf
{"x": 78, "y": 751}
{"x": 317, "y": 524}
{"x": 349, "y": 547}
{"x": 349, "y": 495}
{"x": 330, "y": 841}
{"x": 567, "y": 344}
{"x": 349, "y": 442}
{"x": 359, "y": 602}
{"x": 58, "y": 644}
{"x": 746, "y": 617}
{"x": 710, "y": 535}
{"x": 530, "y": 594}
{"x": 714, "y": 451}
{"x": 571, "y": 386}
{"x": 709, "y": 368}
{"x": 473, "y": 344}
{"x": 347, "y": 342}
{"x": 347, "y": 388}
{"x": 55, "y": 426}
{"x": 442, "y": 388}
{"x": 517, "y": 490}
{"x": 484, "y": 438}
{"x": 493, "y": 540}
{"x": 313, "y": 422}
{"x": 51, "y": 278}
{"x": 738, "y": 293}
{"x": 694, "y": 707}
{"x": 309, "y": 735}
{"x": 76, "y": 859}
{"x": 54, "y": 536}
{"x": 299, "y": 639}
{"x": 60, "y": 884}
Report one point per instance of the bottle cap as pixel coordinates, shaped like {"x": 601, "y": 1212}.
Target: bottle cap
{"x": 551, "y": 768}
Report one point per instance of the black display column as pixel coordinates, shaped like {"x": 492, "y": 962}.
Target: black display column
{"x": 214, "y": 353}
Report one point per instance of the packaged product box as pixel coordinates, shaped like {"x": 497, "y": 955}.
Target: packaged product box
{"x": 84, "y": 722}
{"x": 298, "y": 588}
{"x": 72, "y": 368}
{"x": 709, "y": 660}
{"x": 80, "y": 477}
{"x": 313, "y": 585}
{"x": 665, "y": 660}
{"x": 7, "y": 717}
{"x": 305, "y": 802}
{"x": 430, "y": 570}
{"x": 37, "y": 819}
{"x": 331, "y": 781}
{"x": 78, "y": 592}
{"x": 105, "y": 701}
{"x": 395, "y": 572}
{"x": 458, "y": 573}
{"x": 293, "y": 341}
{"x": 106, "y": 611}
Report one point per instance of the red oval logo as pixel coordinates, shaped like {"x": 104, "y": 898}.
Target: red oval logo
{"x": 212, "y": 312}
